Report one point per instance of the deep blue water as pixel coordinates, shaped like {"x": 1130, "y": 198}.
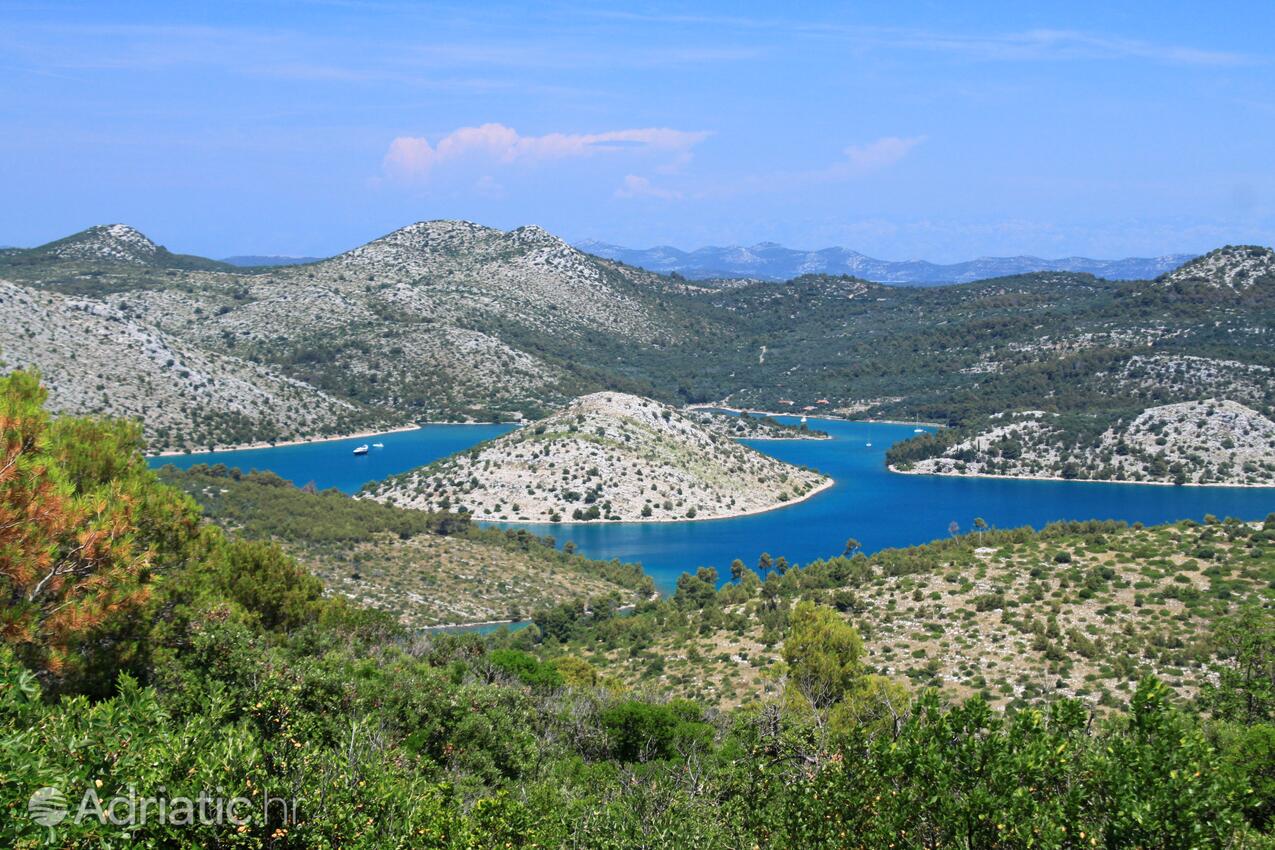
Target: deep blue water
{"x": 332, "y": 463}
{"x": 877, "y": 507}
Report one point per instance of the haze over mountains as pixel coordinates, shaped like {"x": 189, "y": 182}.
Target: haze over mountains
{"x": 771, "y": 261}
{"x": 249, "y": 260}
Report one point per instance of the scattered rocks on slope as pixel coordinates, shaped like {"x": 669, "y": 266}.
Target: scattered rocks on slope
{"x": 605, "y": 456}
{"x": 115, "y": 243}
{"x": 1236, "y": 267}
{"x": 1213, "y": 441}
{"x": 94, "y": 359}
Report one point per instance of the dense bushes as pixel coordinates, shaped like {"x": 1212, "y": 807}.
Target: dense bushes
{"x": 263, "y": 506}
{"x": 641, "y": 732}
{"x": 233, "y": 677}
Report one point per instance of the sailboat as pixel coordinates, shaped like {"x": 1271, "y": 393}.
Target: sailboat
{"x": 918, "y": 430}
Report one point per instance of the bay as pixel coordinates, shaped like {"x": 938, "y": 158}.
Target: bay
{"x": 869, "y": 503}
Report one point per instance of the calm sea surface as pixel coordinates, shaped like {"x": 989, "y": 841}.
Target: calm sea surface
{"x": 332, "y": 463}
{"x": 878, "y": 508}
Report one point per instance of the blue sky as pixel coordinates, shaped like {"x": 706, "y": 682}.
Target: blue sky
{"x": 941, "y": 131}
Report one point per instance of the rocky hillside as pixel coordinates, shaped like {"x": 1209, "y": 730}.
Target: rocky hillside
{"x": 449, "y": 320}
{"x": 95, "y": 359}
{"x": 457, "y": 269}
{"x": 606, "y": 456}
{"x": 1166, "y": 376}
{"x": 1238, "y": 269}
{"x": 439, "y": 320}
{"x": 1201, "y": 442}
{"x": 1081, "y": 610}
{"x": 106, "y": 245}
{"x": 113, "y": 243}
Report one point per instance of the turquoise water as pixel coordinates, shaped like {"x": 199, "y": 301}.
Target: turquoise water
{"x": 875, "y": 506}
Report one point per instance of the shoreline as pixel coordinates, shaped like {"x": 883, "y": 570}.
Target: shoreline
{"x": 751, "y": 411}
{"x": 898, "y": 471}
{"x": 810, "y": 416}
{"x": 825, "y": 436}
{"x": 900, "y": 422}
{"x": 357, "y": 435}
{"x": 831, "y": 482}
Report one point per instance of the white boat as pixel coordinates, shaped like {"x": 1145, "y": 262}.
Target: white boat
{"x": 803, "y": 420}
{"x": 378, "y": 445}
{"x": 361, "y": 450}
{"x": 869, "y": 445}
{"x": 918, "y": 430}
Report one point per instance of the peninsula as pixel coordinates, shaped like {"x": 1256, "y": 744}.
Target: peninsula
{"x": 605, "y": 456}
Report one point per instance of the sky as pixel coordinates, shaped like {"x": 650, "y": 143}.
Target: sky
{"x": 924, "y": 130}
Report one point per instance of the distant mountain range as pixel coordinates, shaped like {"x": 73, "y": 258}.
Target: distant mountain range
{"x": 770, "y": 261}
{"x": 250, "y": 260}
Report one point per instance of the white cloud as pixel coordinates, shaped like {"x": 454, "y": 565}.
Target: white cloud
{"x": 415, "y": 158}
{"x": 874, "y": 156}
{"x": 634, "y": 186}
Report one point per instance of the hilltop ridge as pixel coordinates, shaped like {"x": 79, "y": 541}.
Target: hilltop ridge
{"x": 1238, "y": 268}
{"x": 455, "y": 321}
{"x": 109, "y": 244}
{"x": 437, "y": 320}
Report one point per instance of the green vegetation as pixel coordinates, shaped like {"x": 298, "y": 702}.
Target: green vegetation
{"x": 217, "y": 665}
{"x": 425, "y": 569}
{"x": 1016, "y": 616}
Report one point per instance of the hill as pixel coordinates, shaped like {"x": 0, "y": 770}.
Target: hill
{"x": 107, "y": 244}
{"x": 99, "y": 359}
{"x": 1211, "y": 441}
{"x": 605, "y": 456}
{"x": 440, "y": 320}
{"x": 450, "y": 320}
{"x": 773, "y": 262}
{"x": 1237, "y": 270}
